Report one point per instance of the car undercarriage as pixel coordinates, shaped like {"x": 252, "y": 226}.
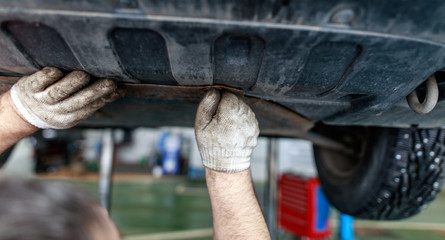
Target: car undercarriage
{"x": 334, "y": 72}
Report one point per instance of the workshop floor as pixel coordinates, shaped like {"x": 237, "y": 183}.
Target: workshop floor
{"x": 177, "y": 208}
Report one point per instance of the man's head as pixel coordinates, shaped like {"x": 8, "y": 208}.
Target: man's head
{"x": 51, "y": 211}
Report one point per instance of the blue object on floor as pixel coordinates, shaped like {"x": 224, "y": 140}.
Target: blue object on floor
{"x": 171, "y": 146}
{"x": 346, "y": 230}
{"x": 322, "y": 214}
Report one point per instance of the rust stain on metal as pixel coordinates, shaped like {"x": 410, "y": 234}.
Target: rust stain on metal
{"x": 273, "y": 118}
{"x": 192, "y": 94}
{"x": 278, "y": 120}
{"x": 9, "y": 79}
{"x": 151, "y": 101}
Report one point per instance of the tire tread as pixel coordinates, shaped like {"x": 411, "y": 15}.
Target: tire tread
{"x": 413, "y": 179}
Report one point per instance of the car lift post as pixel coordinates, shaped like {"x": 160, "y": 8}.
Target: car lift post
{"x": 271, "y": 193}
{"x": 106, "y": 169}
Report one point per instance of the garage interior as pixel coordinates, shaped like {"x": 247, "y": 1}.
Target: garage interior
{"x": 151, "y": 199}
{"x": 349, "y": 98}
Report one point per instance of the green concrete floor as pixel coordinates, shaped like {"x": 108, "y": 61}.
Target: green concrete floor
{"x": 177, "y": 204}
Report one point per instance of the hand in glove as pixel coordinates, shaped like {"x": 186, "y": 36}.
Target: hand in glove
{"x": 46, "y": 99}
{"x": 226, "y": 131}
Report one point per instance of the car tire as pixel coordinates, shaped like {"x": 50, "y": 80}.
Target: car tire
{"x": 395, "y": 175}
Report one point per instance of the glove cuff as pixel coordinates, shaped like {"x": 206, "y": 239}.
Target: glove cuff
{"x": 226, "y": 160}
{"x": 23, "y": 111}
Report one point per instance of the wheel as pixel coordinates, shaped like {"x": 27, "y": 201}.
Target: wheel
{"x": 4, "y": 156}
{"x": 394, "y": 174}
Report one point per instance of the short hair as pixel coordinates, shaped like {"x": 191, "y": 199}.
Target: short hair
{"x": 32, "y": 209}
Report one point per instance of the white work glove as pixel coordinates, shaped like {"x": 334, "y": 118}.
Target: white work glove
{"x": 46, "y": 99}
{"x": 226, "y": 131}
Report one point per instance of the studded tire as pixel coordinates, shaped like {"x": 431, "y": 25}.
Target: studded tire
{"x": 396, "y": 175}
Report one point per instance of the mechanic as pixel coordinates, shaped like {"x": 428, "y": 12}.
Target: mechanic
{"x": 226, "y": 132}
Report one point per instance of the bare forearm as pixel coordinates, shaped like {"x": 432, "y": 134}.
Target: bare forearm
{"x": 236, "y": 212}
{"x": 226, "y": 132}
{"x": 12, "y": 126}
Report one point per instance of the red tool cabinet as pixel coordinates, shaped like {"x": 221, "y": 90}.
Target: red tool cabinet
{"x": 302, "y": 207}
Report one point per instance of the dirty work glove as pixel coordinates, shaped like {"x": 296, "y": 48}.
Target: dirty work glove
{"x": 226, "y": 131}
{"x": 46, "y": 99}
